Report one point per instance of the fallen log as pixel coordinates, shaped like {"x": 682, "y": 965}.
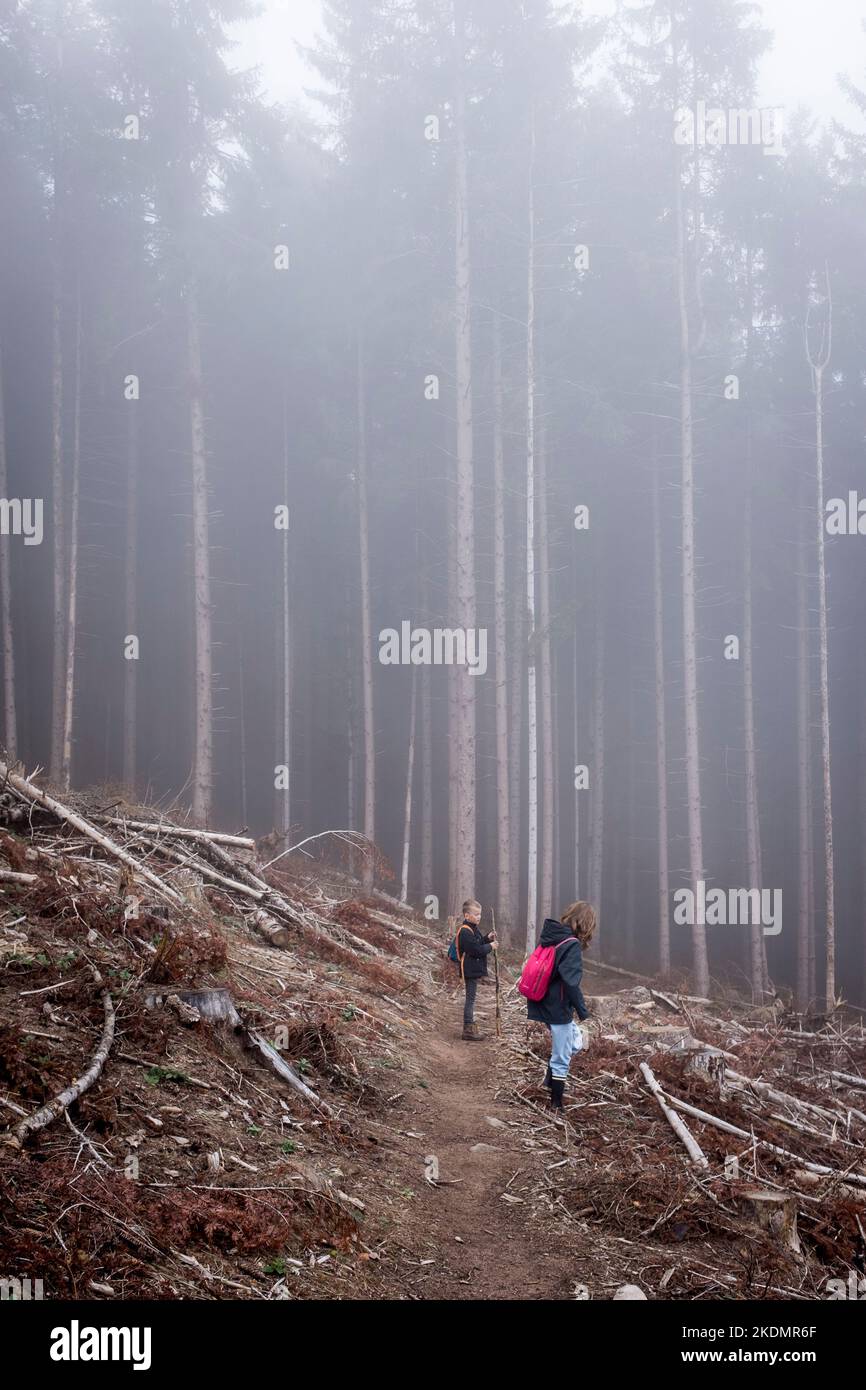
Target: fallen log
{"x": 10, "y": 876}
{"x": 278, "y": 1064}
{"x": 763, "y": 1088}
{"x": 680, "y": 1129}
{"x": 30, "y": 792}
{"x": 728, "y": 1128}
{"x": 50, "y": 1112}
{"x": 274, "y": 932}
{"x": 181, "y": 832}
{"x": 846, "y": 1079}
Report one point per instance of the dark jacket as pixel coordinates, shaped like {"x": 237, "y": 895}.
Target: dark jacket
{"x": 564, "y": 995}
{"x": 474, "y": 948}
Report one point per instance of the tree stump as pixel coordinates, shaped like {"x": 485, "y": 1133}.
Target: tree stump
{"x": 774, "y": 1214}
{"x": 708, "y": 1064}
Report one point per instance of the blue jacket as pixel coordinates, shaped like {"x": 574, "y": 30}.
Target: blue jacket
{"x": 564, "y": 995}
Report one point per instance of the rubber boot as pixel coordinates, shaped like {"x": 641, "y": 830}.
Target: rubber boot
{"x": 557, "y": 1089}
{"x": 548, "y": 1077}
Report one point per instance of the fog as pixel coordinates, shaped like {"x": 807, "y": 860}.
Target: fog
{"x": 452, "y": 432}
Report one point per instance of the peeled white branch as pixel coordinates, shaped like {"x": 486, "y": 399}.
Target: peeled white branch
{"x": 30, "y": 792}
{"x": 50, "y": 1112}
{"x": 680, "y": 1129}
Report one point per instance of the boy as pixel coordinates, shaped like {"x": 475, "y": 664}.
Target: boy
{"x": 472, "y": 950}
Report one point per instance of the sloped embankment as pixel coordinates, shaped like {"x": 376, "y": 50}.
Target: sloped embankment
{"x": 222, "y": 1083}
{"x": 237, "y": 1040}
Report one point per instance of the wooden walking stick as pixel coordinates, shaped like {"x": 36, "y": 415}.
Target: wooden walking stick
{"x": 496, "y": 971}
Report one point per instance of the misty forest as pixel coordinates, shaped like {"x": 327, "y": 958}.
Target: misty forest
{"x": 515, "y": 347}
{"x": 447, "y": 487}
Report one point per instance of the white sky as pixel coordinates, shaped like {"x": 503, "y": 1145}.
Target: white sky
{"x": 815, "y": 40}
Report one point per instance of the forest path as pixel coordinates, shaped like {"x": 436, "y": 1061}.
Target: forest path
{"x": 480, "y": 1244}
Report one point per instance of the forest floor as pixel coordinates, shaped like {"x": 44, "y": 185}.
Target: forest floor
{"x": 470, "y": 1233}
{"x": 423, "y": 1167}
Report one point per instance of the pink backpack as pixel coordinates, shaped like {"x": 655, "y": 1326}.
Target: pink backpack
{"x": 535, "y": 977}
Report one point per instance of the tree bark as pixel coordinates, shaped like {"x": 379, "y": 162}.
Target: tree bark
{"x": 10, "y": 716}
{"x": 596, "y": 865}
{"x": 426, "y": 788}
{"x": 366, "y": 626}
{"x": 504, "y": 859}
{"x": 57, "y": 486}
{"x": 465, "y": 529}
{"x": 130, "y": 606}
{"x": 515, "y": 759}
{"x": 818, "y": 362}
{"x": 690, "y": 661}
{"x": 545, "y": 669}
{"x": 283, "y": 819}
{"x": 202, "y": 778}
{"x": 410, "y": 780}
{"x": 531, "y": 670}
{"x": 661, "y": 728}
{"x": 72, "y": 576}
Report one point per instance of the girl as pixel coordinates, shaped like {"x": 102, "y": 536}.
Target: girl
{"x": 570, "y": 936}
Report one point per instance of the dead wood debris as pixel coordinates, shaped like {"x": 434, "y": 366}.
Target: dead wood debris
{"x": 771, "y": 1109}
{"x": 219, "y": 1040}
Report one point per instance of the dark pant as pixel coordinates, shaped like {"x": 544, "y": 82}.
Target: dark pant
{"x": 469, "y": 1003}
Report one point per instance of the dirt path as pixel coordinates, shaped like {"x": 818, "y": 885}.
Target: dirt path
{"x": 479, "y": 1244}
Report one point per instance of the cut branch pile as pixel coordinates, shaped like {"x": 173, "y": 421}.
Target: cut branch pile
{"x": 726, "y": 1146}
{"x": 174, "y": 1014}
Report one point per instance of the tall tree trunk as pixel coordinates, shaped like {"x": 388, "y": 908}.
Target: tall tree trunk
{"x": 805, "y": 905}
{"x": 818, "y": 362}
{"x": 754, "y": 863}
{"x": 351, "y": 744}
{"x": 130, "y": 603}
{"x": 72, "y": 576}
{"x": 759, "y": 976}
{"x": 10, "y": 718}
{"x": 863, "y": 831}
{"x": 515, "y": 758}
{"x": 690, "y": 660}
{"x": 465, "y": 528}
{"x": 545, "y": 668}
{"x": 58, "y": 685}
{"x": 410, "y": 782}
{"x": 631, "y": 812}
{"x": 426, "y": 788}
{"x": 366, "y": 630}
{"x": 504, "y": 859}
{"x": 283, "y": 819}
{"x": 596, "y": 863}
{"x": 575, "y": 686}
{"x": 202, "y": 777}
{"x": 531, "y": 646}
{"x": 661, "y": 729}
{"x": 242, "y": 726}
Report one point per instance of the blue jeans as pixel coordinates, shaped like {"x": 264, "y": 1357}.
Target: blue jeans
{"x": 564, "y": 1042}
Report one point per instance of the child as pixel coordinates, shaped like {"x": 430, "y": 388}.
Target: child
{"x": 564, "y": 997}
{"x": 472, "y": 950}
